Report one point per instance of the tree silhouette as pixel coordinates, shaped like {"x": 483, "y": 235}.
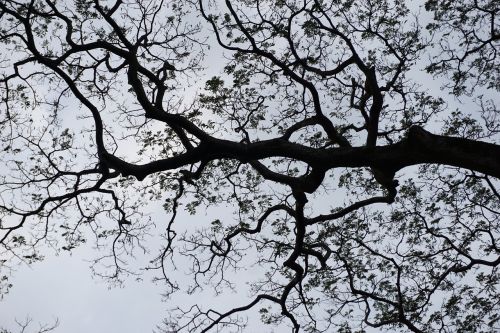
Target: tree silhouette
{"x": 26, "y": 326}
{"x": 369, "y": 200}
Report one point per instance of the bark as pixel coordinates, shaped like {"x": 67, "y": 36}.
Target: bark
{"x": 419, "y": 147}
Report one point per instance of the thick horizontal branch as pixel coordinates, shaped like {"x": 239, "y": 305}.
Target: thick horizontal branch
{"x": 419, "y": 147}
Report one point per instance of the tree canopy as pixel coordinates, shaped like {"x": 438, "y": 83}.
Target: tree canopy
{"x": 356, "y": 144}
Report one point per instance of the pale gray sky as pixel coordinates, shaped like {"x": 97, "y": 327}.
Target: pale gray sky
{"x": 62, "y": 287}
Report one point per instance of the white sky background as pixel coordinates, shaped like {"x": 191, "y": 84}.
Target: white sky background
{"x": 62, "y": 287}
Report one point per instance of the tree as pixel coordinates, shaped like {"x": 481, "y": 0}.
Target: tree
{"x": 25, "y": 327}
{"x": 317, "y": 131}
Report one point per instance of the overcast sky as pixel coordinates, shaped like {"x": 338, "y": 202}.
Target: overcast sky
{"x": 62, "y": 287}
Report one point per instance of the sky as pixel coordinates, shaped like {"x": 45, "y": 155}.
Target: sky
{"x": 62, "y": 287}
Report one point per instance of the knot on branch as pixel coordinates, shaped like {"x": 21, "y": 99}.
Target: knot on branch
{"x": 418, "y": 135}
{"x": 385, "y": 177}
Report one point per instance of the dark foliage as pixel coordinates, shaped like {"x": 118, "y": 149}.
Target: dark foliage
{"x": 366, "y": 196}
